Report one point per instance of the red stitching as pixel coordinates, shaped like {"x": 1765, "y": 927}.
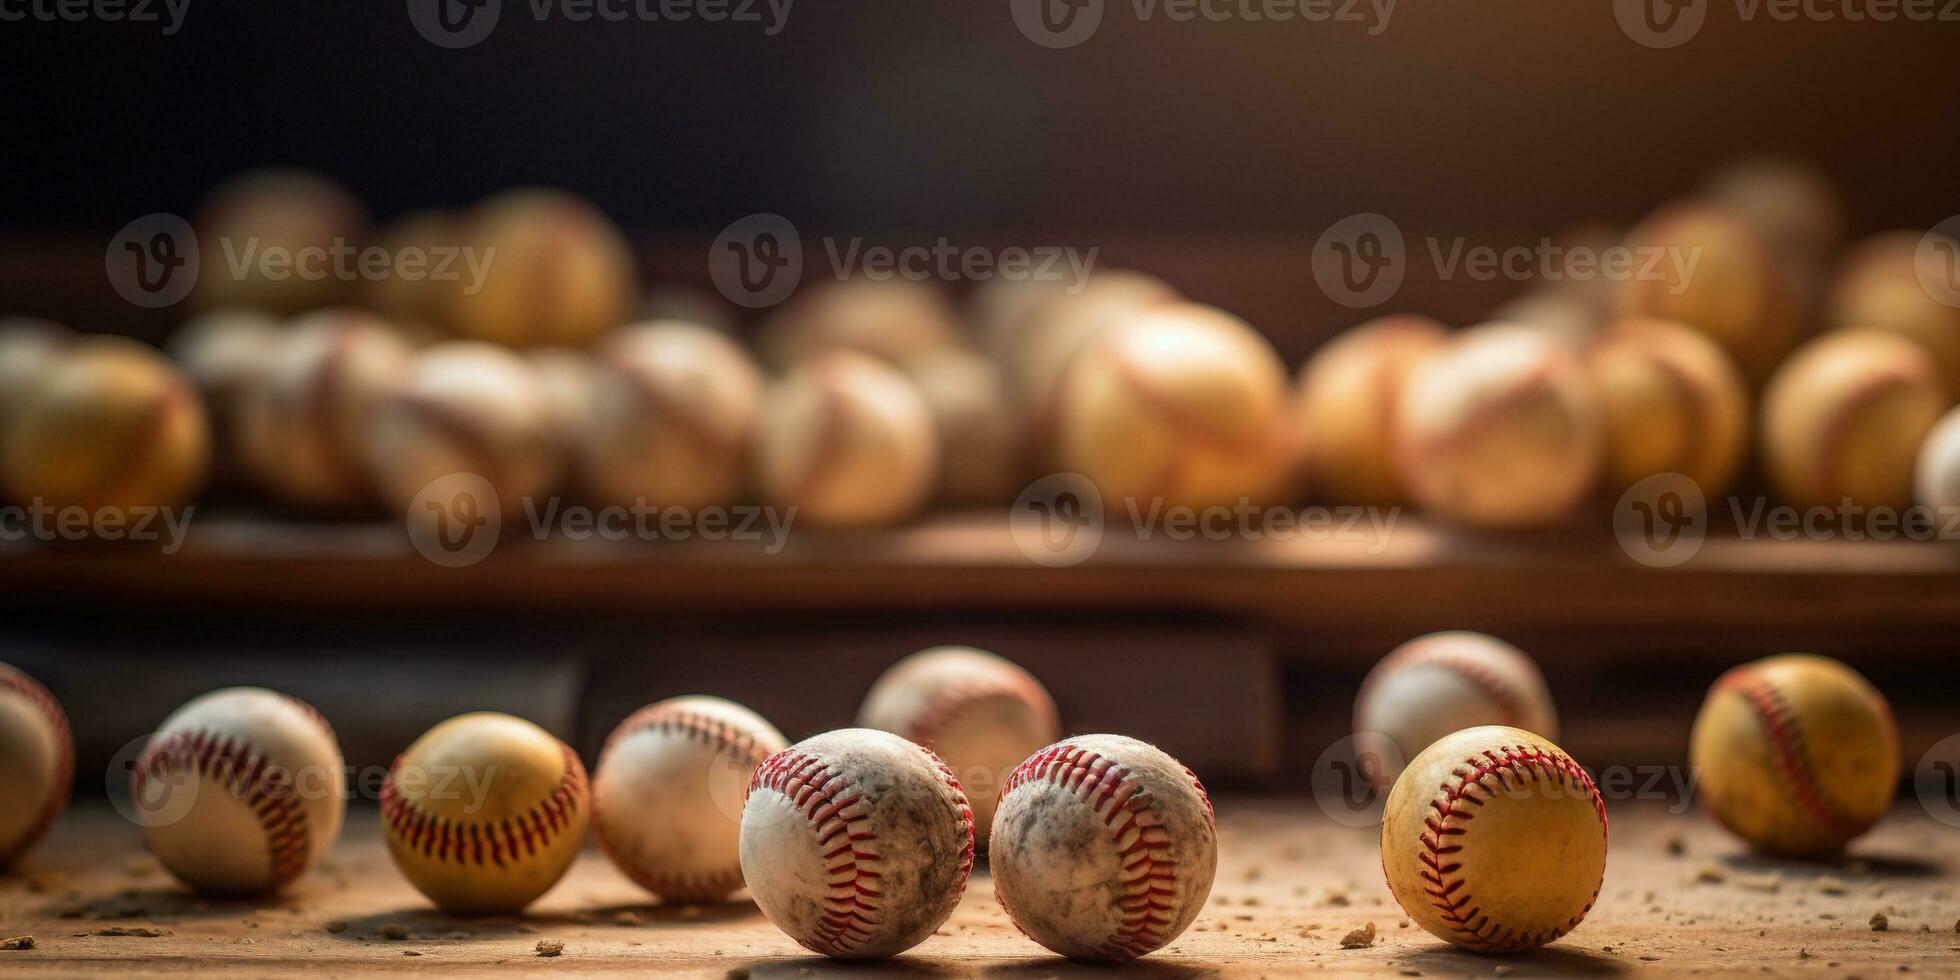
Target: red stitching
{"x": 1508, "y": 701}
{"x": 266, "y": 789}
{"x": 1780, "y": 722}
{"x": 1144, "y": 911}
{"x": 27, "y": 687}
{"x": 492, "y": 842}
{"x": 948, "y": 700}
{"x": 1450, "y": 896}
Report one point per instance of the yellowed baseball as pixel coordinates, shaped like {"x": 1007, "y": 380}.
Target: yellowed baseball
{"x": 556, "y": 271}
{"x": 1344, "y": 413}
{"x": 1494, "y": 840}
{"x": 981, "y": 713}
{"x": 1886, "y": 284}
{"x": 1500, "y": 427}
{"x": 1797, "y": 755}
{"x": 485, "y": 812}
{"x": 667, "y": 794}
{"x": 674, "y": 411}
{"x": 268, "y": 238}
{"x": 37, "y": 763}
{"x": 984, "y": 459}
{"x": 1041, "y": 345}
{"x": 1441, "y": 683}
{"x": 240, "y": 791}
{"x": 1699, "y": 265}
{"x": 847, "y": 440}
{"x": 302, "y": 421}
{"x": 426, "y": 263}
{"x": 1845, "y": 418}
{"x": 856, "y": 843}
{"x": 1673, "y": 403}
{"x": 890, "y": 319}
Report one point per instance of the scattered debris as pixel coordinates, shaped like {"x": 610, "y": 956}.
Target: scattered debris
{"x": 1710, "y": 874}
{"x": 1361, "y": 938}
{"x": 336, "y": 927}
{"x": 1879, "y": 922}
{"x": 17, "y": 943}
{"x": 550, "y": 947}
{"x": 141, "y": 932}
{"x": 410, "y": 952}
{"x": 1676, "y": 844}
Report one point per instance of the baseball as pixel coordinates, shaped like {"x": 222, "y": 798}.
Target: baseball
{"x": 1845, "y": 418}
{"x": 567, "y": 377}
{"x": 1437, "y": 684}
{"x": 895, "y": 320}
{"x": 27, "y": 348}
{"x": 555, "y": 271}
{"x": 1712, "y": 272}
{"x": 301, "y": 420}
{"x": 668, "y": 301}
{"x": 240, "y": 791}
{"x": 1673, "y": 403}
{"x": 1793, "y": 206}
{"x": 1344, "y": 412}
{"x": 1939, "y": 466}
{"x": 37, "y": 763}
{"x": 1885, "y": 284}
{"x": 111, "y": 427}
{"x": 980, "y": 713}
{"x": 1495, "y": 840}
{"x": 847, "y": 440}
{"x": 967, "y": 396}
{"x": 1500, "y": 427}
{"x": 484, "y": 813}
{"x": 1183, "y": 405}
{"x": 1104, "y": 848}
{"x": 856, "y": 843}
{"x": 223, "y": 352}
{"x": 426, "y": 264}
{"x": 464, "y": 408}
{"x": 667, "y": 795}
{"x": 269, "y": 239}
{"x": 1040, "y": 346}
{"x": 673, "y": 418}
{"x": 1798, "y": 755}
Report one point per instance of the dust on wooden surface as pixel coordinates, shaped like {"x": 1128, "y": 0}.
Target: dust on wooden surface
{"x": 1295, "y": 894}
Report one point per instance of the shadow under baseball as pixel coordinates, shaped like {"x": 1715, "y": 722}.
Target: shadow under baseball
{"x": 1550, "y": 961}
{"x": 817, "y": 966}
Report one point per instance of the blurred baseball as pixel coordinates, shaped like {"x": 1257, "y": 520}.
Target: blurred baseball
{"x": 240, "y": 790}
{"x": 1494, "y": 840}
{"x": 1564, "y": 315}
{"x": 484, "y": 813}
{"x": 112, "y": 426}
{"x": 555, "y": 271}
{"x": 847, "y": 440}
{"x": 674, "y": 410}
{"x": 670, "y": 302}
{"x": 1345, "y": 409}
{"x": 1437, "y": 684}
{"x": 1792, "y": 205}
{"x": 1798, "y": 755}
{"x": 856, "y": 843}
{"x": 37, "y": 763}
{"x": 1184, "y": 405}
{"x": 1500, "y": 427}
{"x": 282, "y": 241}
{"x": 1702, "y": 267}
{"x": 426, "y": 264}
{"x": 1939, "y": 465}
{"x": 981, "y": 461}
{"x": 982, "y": 714}
{"x": 1887, "y": 284}
{"x": 1673, "y": 403}
{"x": 1040, "y": 347}
{"x": 568, "y": 378}
{"x": 1104, "y": 848}
{"x": 28, "y": 346}
{"x": 223, "y": 352}
{"x": 302, "y": 420}
{"x": 668, "y": 792}
{"x": 894, "y": 319}
{"x": 1845, "y": 418}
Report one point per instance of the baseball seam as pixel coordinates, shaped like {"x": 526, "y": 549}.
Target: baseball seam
{"x": 1829, "y": 472}
{"x": 949, "y": 700}
{"x": 57, "y": 720}
{"x": 497, "y": 842}
{"x": 1144, "y": 911}
{"x": 1779, "y": 720}
{"x": 1450, "y": 894}
{"x": 243, "y": 769}
{"x": 1510, "y": 702}
{"x": 718, "y": 734}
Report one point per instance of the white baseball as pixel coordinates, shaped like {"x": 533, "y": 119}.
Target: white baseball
{"x": 667, "y": 795}
{"x": 1437, "y": 684}
{"x": 37, "y": 763}
{"x": 981, "y": 713}
{"x": 856, "y": 843}
{"x": 1104, "y": 848}
{"x": 1939, "y": 465}
{"x": 241, "y": 790}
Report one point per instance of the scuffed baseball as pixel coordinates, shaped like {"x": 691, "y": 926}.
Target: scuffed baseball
{"x": 37, "y": 763}
{"x": 240, "y": 791}
{"x": 269, "y": 237}
{"x": 674, "y": 410}
{"x": 1938, "y": 477}
{"x": 1714, "y": 274}
{"x": 1500, "y": 427}
{"x": 302, "y": 421}
{"x": 1798, "y": 755}
{"x": 1345, "y": 409}
{"x": 1673, "y": 403}
{"x": 557, "y": 272}
{"x": 856, "y": 843}
{"x": 667, "y": 795}
{"x": 848, "y": 441}
{"x": 1494, "y": 840}
{"x": 983, "y": 459}
{"x": 1104, "y": 848}
{"x": 1443, "y": 682}
{"x": 1845, "y": 419}
{"x": 894, "y": 320}
{"x": 485, "y": 812}
{"x": 1888, "y": 283}
{"x": 980, "y": 713}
